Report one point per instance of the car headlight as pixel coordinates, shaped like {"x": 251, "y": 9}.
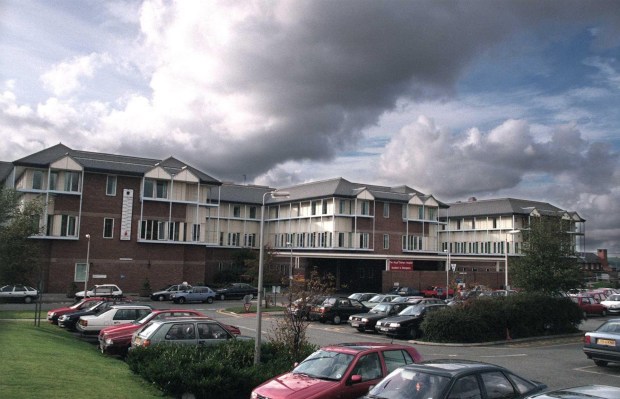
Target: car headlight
{"x": 394, "y": 324}
{"x": 109, "y": 341}
{"x": 51, "y": 314}
{"x": 364, "y": 320}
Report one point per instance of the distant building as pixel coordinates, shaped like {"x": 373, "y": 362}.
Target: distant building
{"x": 169, "y": 222}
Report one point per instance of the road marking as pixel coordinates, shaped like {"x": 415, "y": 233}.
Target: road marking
{"x": 515, "y": 355}
{"x": 584, "y": 369}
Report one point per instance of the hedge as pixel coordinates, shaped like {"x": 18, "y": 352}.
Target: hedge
{"x": 488, "y": 319}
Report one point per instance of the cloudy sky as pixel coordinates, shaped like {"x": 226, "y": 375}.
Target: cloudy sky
{"x": 454, "y": 98}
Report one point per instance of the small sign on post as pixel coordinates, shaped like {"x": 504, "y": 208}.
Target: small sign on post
{"x": 247, "y": 302}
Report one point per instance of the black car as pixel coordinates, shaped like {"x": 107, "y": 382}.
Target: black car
{"x": 408, "y": 291}
{"x": 407, "y": 323}
{"x": 236, "y": 291}
{"x": 454, "y": 379}
{"x": 336, "y": 309}
{"x": 366, "y": 321}
{"x": 69, "y": 320}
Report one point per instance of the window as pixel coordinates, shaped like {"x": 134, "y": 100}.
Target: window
{"x": 162, "y": 189}
{"x": 314, "y": 206}
{"x": 466, "y": 388}
{"x": 369, "y": 367}
{"x": 252, "y": 212}
{"x": 249, "y": 240}
{"x": 324, "y": 208}
{"x": 108, "y": 228}
{"x": 195, "y": 232}
{"x": 420, "y": 212}
{"x": 53, "y": 180}
{"x": 386, "y": 210}
{"x": 364, "y": 240}
{"x": 148, "y": 188}
{"x": 341, "y": 240}
{"x": 161, "y": 230}
{"x": 431, "y": 214}
{"x": 37, "y": 180}
{"x": 236, "y": 211}
{"x": 72, "y": 181}
{"x": 404, "y": 211}
{"x": 396, "y": 358}
{"x": 497, "y": 386}
{"x": 80, "y": 272}
{"x": 365, "y": 207}
{"x": 342, "y": 207}
{"x": 110, "y": 187}
{"x": 67, "y": 226}
{"x": 386, "y": 241}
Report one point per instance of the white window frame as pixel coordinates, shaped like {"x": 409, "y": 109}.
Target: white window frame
{"x": 72, "y": 179}
{"x": 105, "y": 221}
{"x": 386, "y": 241}
{"x": 79, "y": 272}
{"x": 110, "y": 185}
{"x": 386, "y": 210}
{"x": 37, "y": 177}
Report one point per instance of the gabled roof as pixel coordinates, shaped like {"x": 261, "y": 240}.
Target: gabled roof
{"x": 108, "y": 163}
{"x": 239, "y": 194}
{"x": 499, "y": 206}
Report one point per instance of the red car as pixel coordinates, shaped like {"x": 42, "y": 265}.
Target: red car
{"x": 54, "y": 314}
{"x": 437, "y": 292}
{"x": 339, "y": 371}
{"x": 589, "y": 305}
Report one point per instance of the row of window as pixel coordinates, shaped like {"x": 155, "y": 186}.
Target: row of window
{"x": 70, "y": 181}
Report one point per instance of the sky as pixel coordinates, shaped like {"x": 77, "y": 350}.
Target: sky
{"x": 458, "y": 99}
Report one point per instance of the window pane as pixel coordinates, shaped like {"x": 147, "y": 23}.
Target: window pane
{"x": 148, "y": 188}
{"x": 111, "y": 186}
{"x": 108, "y": 226}
{"x": 37, "y": 180}
{"x": 80, "y": 272}
{"x": 497, "y": 386}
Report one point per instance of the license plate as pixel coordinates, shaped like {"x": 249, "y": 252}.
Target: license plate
{"x": 384, "y": 329}
{"x": 606, "y": 342}
{"x": 355, "y": 324}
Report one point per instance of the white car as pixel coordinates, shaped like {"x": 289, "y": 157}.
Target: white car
{"x": 117, "y": 314}
{"x": 18, "y": 292}
{"x": 102, "y": 290}
{"x": 612, "y": 303}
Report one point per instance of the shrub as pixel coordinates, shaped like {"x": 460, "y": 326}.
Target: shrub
{"x": 493, "y": 319}
{"x": 222, "y": 371}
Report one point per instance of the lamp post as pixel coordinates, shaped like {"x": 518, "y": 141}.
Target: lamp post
{"x": 506, "y": 260}
{"x": 290, "y": 268}
{"x": 257, "y": 341}
{"x": 448, "y": 265}
{"x": 87, "y": 265}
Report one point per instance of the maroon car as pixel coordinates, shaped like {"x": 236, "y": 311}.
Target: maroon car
{"x": 339, "y": 371}
{"x": 54, "y": 314}
{"x": 117, "y": 339}
{"x": 589, "y": 305}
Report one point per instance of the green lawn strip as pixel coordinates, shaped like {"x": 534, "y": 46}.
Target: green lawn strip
{"x": 21, "y": 314}
{"x": 49, "y": 362}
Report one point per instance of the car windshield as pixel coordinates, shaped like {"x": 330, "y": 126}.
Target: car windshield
{"x": 405, "y": 383}
{"x": 355, "y": 296}
{"x": 380, "y": 308}
{"x": 413, "y": 310}
{"x": 94, "y": 305}
{"x": 377, "y": 298}
{"x": 610, "y": 327}
{"x": 325, "y": 365}
{"x": 613, "y": 297}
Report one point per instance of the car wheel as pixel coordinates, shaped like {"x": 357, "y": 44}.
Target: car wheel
{"x": 601, "y": 363}
{"x": 210, "y": 300}
{"x": 28, "y": 299}
{"x": 181, "y": 300}
{"x": 222, "y": 297}
{"x": 336, "y": 320}
{"x": 413, "y": 332}
{"x": 603, "y": 313}
{"x": 322, "y": 321}
{"x": 161, "y": 298}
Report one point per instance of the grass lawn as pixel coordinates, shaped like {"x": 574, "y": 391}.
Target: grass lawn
{"x": 49, "y": 362}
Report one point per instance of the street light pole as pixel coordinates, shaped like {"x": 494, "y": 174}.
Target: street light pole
{"x": 506, "y": 260}
{"x": 290, "y": 269}
{"x": 448, "y": 265}
{"x": 257, "y": 341}
{"x": 87, "y": 265}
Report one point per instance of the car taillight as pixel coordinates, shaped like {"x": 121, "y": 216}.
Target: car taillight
{"x": 324, "y": 309}
{"x": 586, "y": 339}
{"x": 146, "y": 342}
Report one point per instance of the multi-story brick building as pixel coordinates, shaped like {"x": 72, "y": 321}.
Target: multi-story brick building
{"x": 167, "y": 222}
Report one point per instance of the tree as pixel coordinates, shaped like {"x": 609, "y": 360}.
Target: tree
{"x": 289, "y": 331}
{"x": 19, "y": 254}
{"x": 549, "y": 264}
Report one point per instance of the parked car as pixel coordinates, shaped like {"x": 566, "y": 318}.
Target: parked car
{"x": 437, "y": 292}
{"x": 408, "y": 291}
{"x": 362, "y": 296}
{"x": 603, "y": 344}
{"x": 582, "y": 392}
{"x": 400, "y": 299}
{"x": 185, "y": 331}
{"x": 612, "y": 303}
{"x": 379, "y": 298}
{"x": 165, "y": 293}
{"x": 54, "y": 314}
{"x": 18, "y": 292}
{"x": 406, "y": 324}
{"x": 301, "y": 307}
{"x": 426, "y": 301}
{"x": 106, "y": 290}
{"x": 336, "y": 309}
{"x": 366, "y": 321}
{"x": 236, "y": 291}
{"x": 196, "y": 294}
{"x": 115, "y": 315}
{"x": 117, "y": 339}
{"x": 338, "y": 371}
{"x": 454, "y": 379}
{"x": 69, "y": 320}
{"x": 589, "y": 305}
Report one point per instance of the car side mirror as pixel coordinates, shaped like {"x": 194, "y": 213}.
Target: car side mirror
{"x": 355, "y": 379}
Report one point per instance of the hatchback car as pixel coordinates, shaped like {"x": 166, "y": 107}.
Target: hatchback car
{"x": 336, "y": 309}
{"x": 612, "y": 303}
{"x": 454, "y": 379}
{"x": 107, "y": 290}
{"x": 603, "y": 344}
{"x": 362, "y": 296}
{"x": 236, "y": 291}
{"x": 54, "y": 314}
{"x": 196, "y": 294}
{"x": 589, "y": 305}
{"x": 406, "y": 324}
{"x": 183, "y": 331}
{"x": 18, "y": 292}
{"x": 69, "y": 320}
{"x": 338, "y": 371}
{"x": 301, "y": 307}
{"x": 582, "y": 392}
{"x": 379, "y": 298}
{"x": 113, "y": 316}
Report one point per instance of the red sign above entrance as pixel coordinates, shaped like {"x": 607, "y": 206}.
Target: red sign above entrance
{"x": 401, "y": 264}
